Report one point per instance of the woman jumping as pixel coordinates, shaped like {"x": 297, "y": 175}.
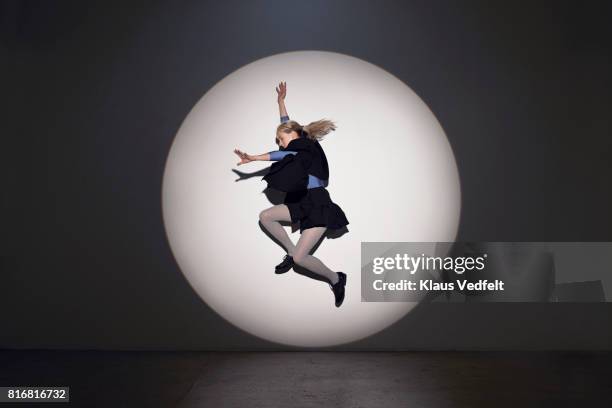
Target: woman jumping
{"x": 301, "y": 171}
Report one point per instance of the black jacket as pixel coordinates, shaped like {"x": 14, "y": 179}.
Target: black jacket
{"x": 291, "y": 173}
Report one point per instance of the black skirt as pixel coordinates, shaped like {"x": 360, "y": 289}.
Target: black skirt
{"x": 314, "y": 208}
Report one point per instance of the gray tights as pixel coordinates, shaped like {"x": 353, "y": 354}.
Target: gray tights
{"x": 270, "y": 219}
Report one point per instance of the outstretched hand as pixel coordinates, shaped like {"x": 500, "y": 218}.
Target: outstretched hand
{"x": 281, "y": 91}
{"x": 244, "y": 158}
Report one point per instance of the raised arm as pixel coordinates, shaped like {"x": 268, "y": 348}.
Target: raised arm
{"x": 281, "y": 91}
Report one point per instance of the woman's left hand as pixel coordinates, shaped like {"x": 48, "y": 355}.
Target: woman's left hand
{"x": 244, "y": 158}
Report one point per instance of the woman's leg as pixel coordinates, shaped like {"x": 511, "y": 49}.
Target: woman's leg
{"x": 302, "y": 256}
{"x": 270, "y": 220}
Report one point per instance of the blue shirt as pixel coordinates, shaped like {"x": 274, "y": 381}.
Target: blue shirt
{"x": 276, "y": 155}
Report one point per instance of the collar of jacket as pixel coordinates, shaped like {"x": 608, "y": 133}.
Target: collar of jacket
{"x": 301, "y": 143}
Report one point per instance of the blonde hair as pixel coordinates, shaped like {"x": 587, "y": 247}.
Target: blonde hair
{"x": 314, "y": 130}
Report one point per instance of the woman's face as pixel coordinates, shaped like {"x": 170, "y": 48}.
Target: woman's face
{"x": 283, "y": 139}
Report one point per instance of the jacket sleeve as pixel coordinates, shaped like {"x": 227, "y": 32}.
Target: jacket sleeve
{"x": 279, "y": 154}
{"x": 290, "y": 173}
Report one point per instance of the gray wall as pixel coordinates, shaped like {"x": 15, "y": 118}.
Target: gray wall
{"x": 95, "y": 92}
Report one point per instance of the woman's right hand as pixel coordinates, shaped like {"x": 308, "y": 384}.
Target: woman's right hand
{"x": 281, "y": 91}
{"x": 244, "y": 158}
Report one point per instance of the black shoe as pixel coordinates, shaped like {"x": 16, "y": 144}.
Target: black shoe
{"x": 285, "y": 265}
{"x": 338, "y": 288}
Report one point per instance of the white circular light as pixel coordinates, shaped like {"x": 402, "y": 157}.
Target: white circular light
{"x": 392, "y": 171}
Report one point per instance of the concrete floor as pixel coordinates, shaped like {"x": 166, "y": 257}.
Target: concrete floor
{"x": 316, "y": 379}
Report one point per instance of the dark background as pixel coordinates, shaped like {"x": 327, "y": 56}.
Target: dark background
{"x": 94, "y": 93}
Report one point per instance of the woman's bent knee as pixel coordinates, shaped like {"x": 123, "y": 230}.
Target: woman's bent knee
{"x": 275, "y": 214}
{"x": 263, "y": 216}
{"x": 299, "y": 258}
